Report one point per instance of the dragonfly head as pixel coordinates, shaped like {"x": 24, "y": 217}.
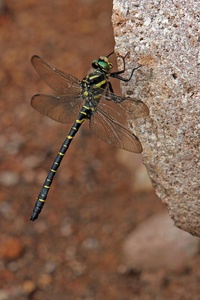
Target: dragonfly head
{"x": 103, "y": 64}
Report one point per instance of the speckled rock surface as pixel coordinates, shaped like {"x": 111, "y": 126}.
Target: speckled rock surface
{"x": 164, "y": 38}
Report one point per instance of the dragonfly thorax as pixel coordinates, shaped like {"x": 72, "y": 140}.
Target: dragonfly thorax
{"x": 93, "y": 86}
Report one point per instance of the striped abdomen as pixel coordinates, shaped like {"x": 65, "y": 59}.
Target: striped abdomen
{"x": 84, "y": 114}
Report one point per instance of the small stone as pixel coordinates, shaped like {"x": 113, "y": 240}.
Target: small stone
{"x": 9, "y": 178}
{"x": 45, "y": 280}
{"x": 11, "y": 248}
{"x": 6, "y": 276}
{"x": 50, "y": 267}
{"x": 77, "y": 267}
{"x": 66, "y": 227}
{"x": 28, "y": 287}
{"x": 91, "y": 243}
{"x": 4, "y": 295}
{"x": 32, "y": 161}
{"x": 157, "y": 243}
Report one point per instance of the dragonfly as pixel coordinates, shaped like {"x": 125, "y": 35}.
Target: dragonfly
{"x": 91, "y": 99}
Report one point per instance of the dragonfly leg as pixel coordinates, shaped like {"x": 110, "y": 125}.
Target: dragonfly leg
{"x": 110, "y": 54}
{"x": 109, "y": 94}
{"x": 116, "y": 74}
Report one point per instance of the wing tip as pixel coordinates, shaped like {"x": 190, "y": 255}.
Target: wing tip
{"x": 35, "y": 58}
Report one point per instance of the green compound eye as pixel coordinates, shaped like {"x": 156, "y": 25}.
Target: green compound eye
{"x": 102, "y": 63}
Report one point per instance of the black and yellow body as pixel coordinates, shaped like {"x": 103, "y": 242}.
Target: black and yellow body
{"x": 83, "y": 115}
{"x": 86, "y": 100}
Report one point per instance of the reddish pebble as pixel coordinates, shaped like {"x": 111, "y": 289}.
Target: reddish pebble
{"x": 11, "y": 248}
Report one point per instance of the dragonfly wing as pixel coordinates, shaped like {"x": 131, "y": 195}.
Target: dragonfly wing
{"x": 134, "y": 108}
{"x": 59, "y": 81}
{"x": 63, "y": 109}
{"x": 112, "y": 132}
{"x": 131, "y": 107}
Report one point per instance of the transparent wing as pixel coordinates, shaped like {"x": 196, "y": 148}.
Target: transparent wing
{"x": 132, "y": 108}
{"x": 110, "y": 131}
{"x": 59, "y": 81}
{"x": 64, "y": 108}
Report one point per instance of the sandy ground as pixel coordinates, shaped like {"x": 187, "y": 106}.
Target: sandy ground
{"x": 73, "y": 251}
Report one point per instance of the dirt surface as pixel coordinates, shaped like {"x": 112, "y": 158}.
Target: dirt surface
{"x": 73, "y": 251}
